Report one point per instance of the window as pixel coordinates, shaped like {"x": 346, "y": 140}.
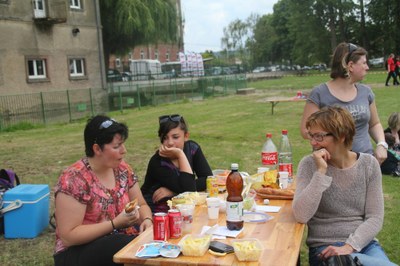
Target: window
{"x": 141, "y": 54}
{"x": 39, "y": 9}
{"x": 156, "y": 55}
{"x": 167, "y": 56}
{"x": 77, "y": 67}
{"x": 36, "y": 69}
{"x": 75, "y": 4}
{"x": 118, "y": 62}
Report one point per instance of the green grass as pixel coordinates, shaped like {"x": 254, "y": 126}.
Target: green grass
{"x": 229, "y": 129}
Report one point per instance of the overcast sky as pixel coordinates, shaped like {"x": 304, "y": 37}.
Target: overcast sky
{"x": 206, "y": 19}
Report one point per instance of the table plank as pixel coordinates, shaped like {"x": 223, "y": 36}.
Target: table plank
{"x": 276, "y": 100}
{"x": 281, "y": 238}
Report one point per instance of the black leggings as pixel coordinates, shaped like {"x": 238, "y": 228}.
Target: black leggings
{"x": 99, "y": 252}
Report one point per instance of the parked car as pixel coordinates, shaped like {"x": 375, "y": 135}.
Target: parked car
{"x": 126, "y": 76}
{"x": 113, "y": 75}
{"x": 259, "y": 69}
{"x": 376, "y": 62}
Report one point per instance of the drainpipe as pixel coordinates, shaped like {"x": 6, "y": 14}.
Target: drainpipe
{"x": 100, "y": 44}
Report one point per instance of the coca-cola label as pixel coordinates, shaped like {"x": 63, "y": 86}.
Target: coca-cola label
{"x": 269, "y": 158}
{"x": 286, "y": 167}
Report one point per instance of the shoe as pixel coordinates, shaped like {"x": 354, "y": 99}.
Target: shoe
{"x": 387, "y": 85}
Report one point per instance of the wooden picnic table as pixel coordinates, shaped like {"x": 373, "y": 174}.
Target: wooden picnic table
{"x": 281, "y": 238}
{"x": 274, "y": 101}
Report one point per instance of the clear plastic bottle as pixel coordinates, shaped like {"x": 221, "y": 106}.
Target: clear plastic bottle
{"x": 234, "y": 200}
{"x": 285, "y": 154}
{"x": 269, "y": 153}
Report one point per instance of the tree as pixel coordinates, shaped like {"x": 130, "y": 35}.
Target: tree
{"x": 127, "y": 23}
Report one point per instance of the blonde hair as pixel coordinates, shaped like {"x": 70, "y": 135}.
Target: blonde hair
{"x": 394, "y": 120}
{"x": 335, "y": 120}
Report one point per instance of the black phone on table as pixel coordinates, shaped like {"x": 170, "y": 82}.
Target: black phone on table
{"x": 220, "y": 247}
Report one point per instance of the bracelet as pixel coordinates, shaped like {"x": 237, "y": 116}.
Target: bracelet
{"x": 113, "y": 226}
{"x": 148, "y": 218}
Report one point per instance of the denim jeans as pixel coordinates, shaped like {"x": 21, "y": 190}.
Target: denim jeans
{"x": 371, "y": 255}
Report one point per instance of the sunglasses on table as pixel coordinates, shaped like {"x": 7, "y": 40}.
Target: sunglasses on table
{"x": 165, "y": 118}
{"x": 319, "y": 137}
{"x": 107, "y": 124}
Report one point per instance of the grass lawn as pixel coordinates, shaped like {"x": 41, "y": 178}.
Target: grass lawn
{"x": 229, "y": 129}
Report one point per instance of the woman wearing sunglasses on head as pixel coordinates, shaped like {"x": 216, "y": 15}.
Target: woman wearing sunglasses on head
{"x": 349, "y": 67}
{"x": 339, "y": 193}
{"x": 178, "y": 165}
{"x": 93, "y": 199}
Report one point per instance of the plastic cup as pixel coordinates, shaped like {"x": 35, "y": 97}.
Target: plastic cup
{"x": 187, "y": 211}
{"x": 213, "y": 208}
{"x": 283, "y": 180}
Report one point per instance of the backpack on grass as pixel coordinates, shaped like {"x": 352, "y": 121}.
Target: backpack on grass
{"x": 8, "y": 180}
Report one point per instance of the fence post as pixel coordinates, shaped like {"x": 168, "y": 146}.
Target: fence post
{"x": 69, "y": 107}
{"x": 138, "y": 92}
{"x": 120, "y": 99}
{"x": 175, "y": 89}
{"x": 43, "y": 110}
{"x": 91, "y": 101}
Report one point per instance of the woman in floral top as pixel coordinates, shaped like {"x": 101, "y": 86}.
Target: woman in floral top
{"x": 90, "y": 198}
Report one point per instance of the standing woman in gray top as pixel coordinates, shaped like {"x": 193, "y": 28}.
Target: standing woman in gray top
{"x": 349, "y": 67}
{"x": 339, "y": 192}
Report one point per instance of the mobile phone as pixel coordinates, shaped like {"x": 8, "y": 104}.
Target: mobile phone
{"x": 220, "y": 247}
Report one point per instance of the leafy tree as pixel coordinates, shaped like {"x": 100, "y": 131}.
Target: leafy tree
{"x": 127, "y": 23}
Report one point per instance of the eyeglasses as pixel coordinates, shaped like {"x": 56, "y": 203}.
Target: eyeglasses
{"x": 107, "y": 123}
{"x": 319, "y": 137}
{"x": 165, "y": 118}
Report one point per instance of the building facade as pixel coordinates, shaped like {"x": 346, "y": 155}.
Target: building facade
{"x": 50, "y": 45}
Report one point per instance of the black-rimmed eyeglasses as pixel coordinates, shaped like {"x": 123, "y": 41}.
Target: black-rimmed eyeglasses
{"x": 318, "y": 137}
{"x": 165, "y": 118}
{"x": 107, "y": 123}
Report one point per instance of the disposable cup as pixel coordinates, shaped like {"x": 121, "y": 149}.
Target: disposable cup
{"x": 187, "y": 211}
{"x": 283, "y": 180}
{"x": 213, "y": 208}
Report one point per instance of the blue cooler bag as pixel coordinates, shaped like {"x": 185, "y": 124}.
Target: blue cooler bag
{"x": 26, "y": 210}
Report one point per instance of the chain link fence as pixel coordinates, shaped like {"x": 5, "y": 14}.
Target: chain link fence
{"x": 70, "y": 105}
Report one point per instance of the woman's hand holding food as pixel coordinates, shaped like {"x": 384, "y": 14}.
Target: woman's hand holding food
{"x": 129, "y": 217}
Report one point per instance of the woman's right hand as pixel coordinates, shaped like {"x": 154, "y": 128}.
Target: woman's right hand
{"x": 124, "y": 220}
{"x": 321, "y": 157}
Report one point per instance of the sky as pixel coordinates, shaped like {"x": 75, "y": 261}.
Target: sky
{"x": 206, "y": 19}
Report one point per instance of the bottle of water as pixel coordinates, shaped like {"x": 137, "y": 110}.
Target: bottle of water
{"x": 269, "y": 153}
{"x": 285, "y": 155}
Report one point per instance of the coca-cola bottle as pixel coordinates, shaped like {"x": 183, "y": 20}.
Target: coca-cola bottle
{"x": 234, "y": 201}
{"x": 285, "y": 154}
{"x": 269, "y": 153}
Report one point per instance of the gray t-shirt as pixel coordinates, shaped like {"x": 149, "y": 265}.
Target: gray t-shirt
{"x": 344, "y": 205}
{"x": 358, "y": 107}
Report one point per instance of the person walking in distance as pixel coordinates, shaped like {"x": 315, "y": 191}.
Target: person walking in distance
{"x": 391, "y": 70}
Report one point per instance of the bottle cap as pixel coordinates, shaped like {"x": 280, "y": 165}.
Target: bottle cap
{"x": 234, "y": 166}
{"x": 284, "y": 131}
{"x": 269, "y": 135}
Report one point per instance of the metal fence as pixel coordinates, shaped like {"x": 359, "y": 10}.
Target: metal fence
{"x": 69, "y": 105}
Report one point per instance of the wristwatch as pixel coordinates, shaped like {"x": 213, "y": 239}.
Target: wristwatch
{"x": 383, "y": 144}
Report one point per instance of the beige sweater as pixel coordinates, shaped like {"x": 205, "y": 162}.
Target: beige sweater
{"x": 345, "y": 205}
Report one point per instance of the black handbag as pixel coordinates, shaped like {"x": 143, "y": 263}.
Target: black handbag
{"x": 341, "y": 260}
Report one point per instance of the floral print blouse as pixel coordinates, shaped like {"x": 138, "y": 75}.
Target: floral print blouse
{"x": 102, "y": 204}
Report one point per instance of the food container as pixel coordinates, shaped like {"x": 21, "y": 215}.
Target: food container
{"x": 200, "y": 198}
{"x": 31, "y": 213}
{"x": 194, "y": 245}
{"x": 249, "y": 249}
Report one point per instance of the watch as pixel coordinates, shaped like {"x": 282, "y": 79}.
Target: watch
{"x": 383, "y": 144}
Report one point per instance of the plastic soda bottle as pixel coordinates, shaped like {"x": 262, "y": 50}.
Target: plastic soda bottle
{"x": 269, "y": 153}
{"x": 234, "y": 200}
{"x": 285, "y": 154}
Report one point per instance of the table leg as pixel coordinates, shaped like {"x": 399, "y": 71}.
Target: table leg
{"x": 272, "y": 107}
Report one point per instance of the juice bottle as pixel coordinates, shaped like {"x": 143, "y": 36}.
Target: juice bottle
{"x": 234, "y": 201}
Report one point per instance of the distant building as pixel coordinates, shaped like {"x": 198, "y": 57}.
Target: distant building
{"x": 50, "y": 45}
{"x": 163, "y": 52}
